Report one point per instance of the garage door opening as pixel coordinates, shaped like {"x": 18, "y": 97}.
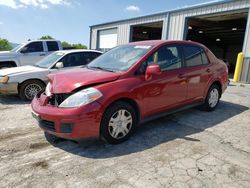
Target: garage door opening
{"x": 222, "y": 33}
{"x": 149, "y": 31}
{"x": 107, "y": 39}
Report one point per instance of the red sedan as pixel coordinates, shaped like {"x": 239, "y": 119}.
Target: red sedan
{"x": 128, "y": 85}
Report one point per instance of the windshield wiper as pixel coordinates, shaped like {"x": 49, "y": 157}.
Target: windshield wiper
{"x": 101, "y": 68}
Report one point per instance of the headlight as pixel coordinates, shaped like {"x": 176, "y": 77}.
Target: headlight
{"x": 4, "y": 79}
{"x": 81, "y": 98}
{"x": 47, "y": 90}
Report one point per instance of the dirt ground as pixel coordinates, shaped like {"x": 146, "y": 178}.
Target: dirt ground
{"x": 187, "y": 149}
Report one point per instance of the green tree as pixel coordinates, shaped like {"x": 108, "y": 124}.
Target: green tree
{"x": 5, "y": 45}
{"x": 66, "y": 44}
{"x": 75, "y": 46}
{"x": 79, "y": 46}
{"x": 46, "y": 37}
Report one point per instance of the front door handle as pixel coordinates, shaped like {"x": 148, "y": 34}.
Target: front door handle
{"x": 208, "y": 70}
{"x": 180, "y": 75}
{"x": 42, "y": 54}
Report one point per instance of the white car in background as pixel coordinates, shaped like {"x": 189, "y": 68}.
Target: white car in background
{"x": 28, "y": 53}
{"x": 27, "y": 81}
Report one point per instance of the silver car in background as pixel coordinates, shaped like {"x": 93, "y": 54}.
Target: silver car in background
{"x": 27, "y": 81}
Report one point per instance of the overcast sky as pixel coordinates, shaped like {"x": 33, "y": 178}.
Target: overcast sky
{"x": 69, "y": 20}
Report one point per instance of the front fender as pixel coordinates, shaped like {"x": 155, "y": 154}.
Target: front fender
{"x": 121, "y": 89}
{"x": 20, "y": 78}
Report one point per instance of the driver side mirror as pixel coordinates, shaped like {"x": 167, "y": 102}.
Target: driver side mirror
{"x": 24, "y": 50}
{"x": 152, "y": 70}
{"x": 59, "y": 65}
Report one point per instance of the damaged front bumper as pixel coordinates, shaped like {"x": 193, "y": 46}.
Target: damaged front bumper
{"x": 69, "y": 123}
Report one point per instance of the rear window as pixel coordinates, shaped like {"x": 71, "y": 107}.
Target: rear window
{"x": 194, "y": 55}
{"x": 52, "y": 46}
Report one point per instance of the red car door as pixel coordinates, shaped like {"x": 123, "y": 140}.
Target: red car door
{"x": 198, "y": 71}
{"x": 169, "y": 89}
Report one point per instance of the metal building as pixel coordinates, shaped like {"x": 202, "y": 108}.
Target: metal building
{"x": 223, "y": 26}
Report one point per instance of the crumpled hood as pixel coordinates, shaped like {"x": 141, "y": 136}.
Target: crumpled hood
{"x": 69, "y": 80}
{"x": 18, "y": 70}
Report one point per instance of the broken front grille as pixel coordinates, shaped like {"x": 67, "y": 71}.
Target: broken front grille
{"x": 49, "y": 125}
{"x": 57, "y": 99}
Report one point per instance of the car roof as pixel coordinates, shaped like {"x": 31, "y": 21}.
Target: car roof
{"x": 160, "y": 42}
{"x": 77, "y": 50}
{"x": 41, "y": 40}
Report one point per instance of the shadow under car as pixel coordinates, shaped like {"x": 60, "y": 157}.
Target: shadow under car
{"x": 155, "y": 132}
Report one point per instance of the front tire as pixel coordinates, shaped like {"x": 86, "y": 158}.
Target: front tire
{"x": 30, "y": 88}
{"x": 213, "y": 98}
{"x": 118, "y": 123}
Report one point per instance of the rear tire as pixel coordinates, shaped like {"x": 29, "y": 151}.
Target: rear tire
{"x": 30, "y": 88}
{"x": 212, "y": 99}
{"x": 118, "y": 123}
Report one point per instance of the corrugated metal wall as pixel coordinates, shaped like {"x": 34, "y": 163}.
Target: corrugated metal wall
{"x": 124, "y": 28}
{"x": 178, "y": 18}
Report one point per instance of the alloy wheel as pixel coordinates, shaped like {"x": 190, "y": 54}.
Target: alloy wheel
{"x": 120, "y": 124}
{"x": 31, "y": 90}
{"x": 213, "y": 98}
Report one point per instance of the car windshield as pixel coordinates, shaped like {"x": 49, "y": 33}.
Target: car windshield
{"x": 120, "y": 58}
{"x": 49, "y": 60}
{"x": 16, "y": 48}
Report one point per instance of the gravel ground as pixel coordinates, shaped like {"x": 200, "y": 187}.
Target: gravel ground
{"x": 187, "y": 149}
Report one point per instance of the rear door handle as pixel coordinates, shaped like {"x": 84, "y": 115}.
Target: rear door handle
{"x": 42, "y": 54}
{"x": 208, "y": 70}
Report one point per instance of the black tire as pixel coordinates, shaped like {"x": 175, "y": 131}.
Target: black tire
{"x": 6, "y": 65}
{"x": 120, "y": 126}
{"x": 24, "y": 88}
{"x": 208, "y": 106}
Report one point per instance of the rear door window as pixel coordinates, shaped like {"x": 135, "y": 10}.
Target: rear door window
{"x": 194, "y": 55}
{"x": 52, "y": 46}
